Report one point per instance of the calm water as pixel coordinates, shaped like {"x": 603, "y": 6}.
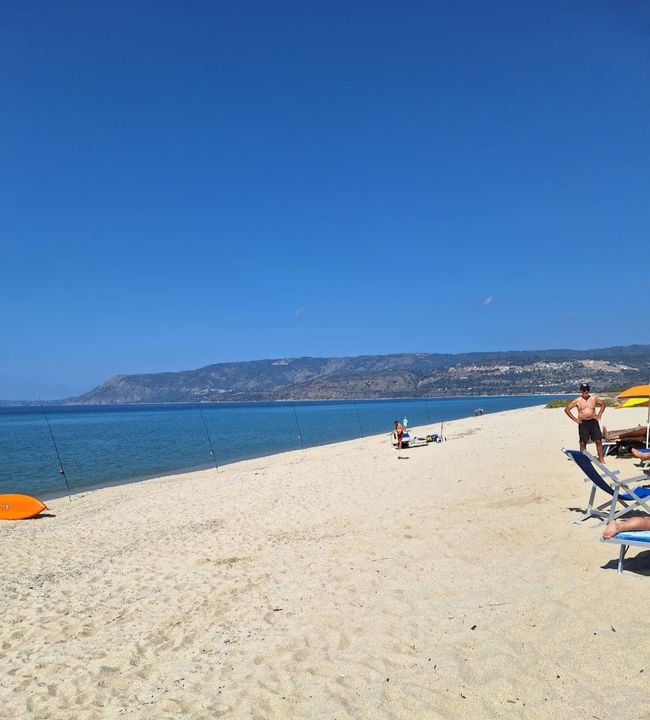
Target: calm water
{"x": 114, "y": 444}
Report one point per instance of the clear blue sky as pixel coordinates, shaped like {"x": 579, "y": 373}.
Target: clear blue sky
{"x": 184, "y": 183}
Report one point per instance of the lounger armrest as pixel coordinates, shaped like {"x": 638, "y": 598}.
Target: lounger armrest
{"x": 634, "y": 480}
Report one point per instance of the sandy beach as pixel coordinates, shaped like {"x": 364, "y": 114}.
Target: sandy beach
{"x": 340, "y": 582}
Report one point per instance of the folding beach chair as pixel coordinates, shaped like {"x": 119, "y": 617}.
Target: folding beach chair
{"x": 625, "y": 539}
{"x": 619, "y": 491}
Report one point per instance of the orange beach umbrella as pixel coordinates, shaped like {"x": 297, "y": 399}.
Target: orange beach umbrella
{"x": 637, "y": 396}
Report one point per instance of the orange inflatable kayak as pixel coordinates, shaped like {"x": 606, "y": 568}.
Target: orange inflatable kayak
{"x": 20, "y": 507}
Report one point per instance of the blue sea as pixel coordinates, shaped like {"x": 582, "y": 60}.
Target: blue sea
{"x": 101, "y": 445}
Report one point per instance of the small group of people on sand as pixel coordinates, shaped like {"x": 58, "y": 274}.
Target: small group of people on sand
{"x": 588, "y": 418}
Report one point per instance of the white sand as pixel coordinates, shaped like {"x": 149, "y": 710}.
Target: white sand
{"x": 337, "y": 582}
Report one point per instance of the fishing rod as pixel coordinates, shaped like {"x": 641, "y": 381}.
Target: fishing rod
{"x": 214, "y": 457}
{"x": 295, "y": 414}
{"x": 56, "y": 449}
{"x": 359, "y": 419}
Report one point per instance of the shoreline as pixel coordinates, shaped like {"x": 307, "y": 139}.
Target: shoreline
{"x": 336, "y": 581}
{"x": 97, "y": 468}
{"x": 203, "y": 468}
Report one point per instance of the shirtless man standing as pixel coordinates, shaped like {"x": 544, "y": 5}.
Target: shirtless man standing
{"x": 588, "y": 427}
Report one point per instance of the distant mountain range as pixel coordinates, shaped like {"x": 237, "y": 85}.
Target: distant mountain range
{"x": 410, "y": 375}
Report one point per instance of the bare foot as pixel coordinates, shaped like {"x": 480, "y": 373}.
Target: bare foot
{"x": 611, "y": 529}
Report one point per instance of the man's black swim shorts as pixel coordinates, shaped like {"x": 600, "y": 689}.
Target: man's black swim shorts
{"x": 589, "y": 430}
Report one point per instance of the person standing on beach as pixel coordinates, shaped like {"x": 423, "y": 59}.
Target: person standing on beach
{"x": 399, "y": 433}
{"x": 587, "y": 420}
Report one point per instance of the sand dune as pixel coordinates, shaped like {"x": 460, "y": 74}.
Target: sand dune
{"x": 337, "y": 582}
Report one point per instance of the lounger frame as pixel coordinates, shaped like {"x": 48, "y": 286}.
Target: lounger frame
{"x": 639, "y": 539}
{"x": 602, "y": 478}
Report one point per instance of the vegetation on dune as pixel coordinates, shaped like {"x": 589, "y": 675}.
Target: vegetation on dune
{"x": 557, "y": 403}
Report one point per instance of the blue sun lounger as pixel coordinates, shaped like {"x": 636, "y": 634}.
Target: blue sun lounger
{"x": 640, "y": 538}
{"x": 619, "y": 491}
